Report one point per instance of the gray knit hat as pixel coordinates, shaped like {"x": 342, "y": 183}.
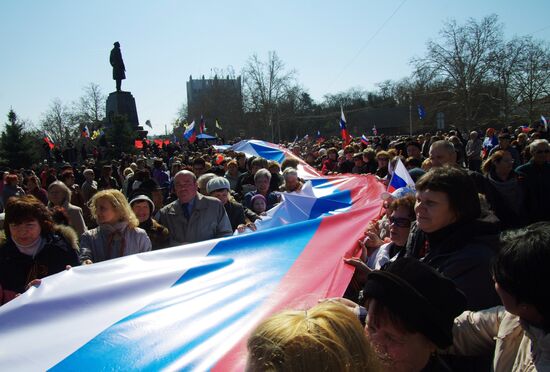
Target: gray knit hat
{"x": 217, "y": 183}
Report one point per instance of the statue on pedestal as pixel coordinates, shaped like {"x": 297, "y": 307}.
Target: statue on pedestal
{"x": 118, "y": 65}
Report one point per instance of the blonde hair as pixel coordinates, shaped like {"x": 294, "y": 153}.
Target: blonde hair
{"x": 119, "y": 203}
{"x": 327, "y": 337}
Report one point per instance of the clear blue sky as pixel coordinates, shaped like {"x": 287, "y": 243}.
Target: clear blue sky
{"x": 52, "y": 49}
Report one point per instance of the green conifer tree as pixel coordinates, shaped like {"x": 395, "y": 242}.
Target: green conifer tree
{"x": 15, "y": 144}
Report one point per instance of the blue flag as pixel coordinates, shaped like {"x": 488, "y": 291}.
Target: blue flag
{"x": 421, "y": 112}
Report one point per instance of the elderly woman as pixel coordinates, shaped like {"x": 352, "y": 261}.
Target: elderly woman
{"x": 411, "y": 308}
{"x": 327, "y": 337}
{"x": 117, "y": 233}
{"x": 534, "y": 178}
{"x": 60, "y": 195}
{"x": 33, "y": 247}
{"x": 291, "y": 181}
{"x": 143, "y": 208}
{"x": 401, "y": 217}
{"x": 240, "y": 217}
{"x": 449, "y": 236}
{"x": 262, "y": 178}
{"x": 232, "y": 174}
{"x": 503, "y": 191}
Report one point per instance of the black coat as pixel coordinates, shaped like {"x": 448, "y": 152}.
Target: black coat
{"x": 463, "y": 253}
{"x": 535, "y": 181}
{"x": 235, "y": 212}
{"x": 18, "y": 269}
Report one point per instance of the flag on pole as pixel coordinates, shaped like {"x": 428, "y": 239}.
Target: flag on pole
{"x": 202, "y": 125}
{"x": 85, "y": 132}
{"x": 543, "y": 120}
{"x": 48, "y": 140}
{"x": 374, "y": 130}
{"x": 421, "y": 112}
{"x": 345, "y": 135}
{"x": 148, "y": 123}
{"x": 138, "y": 144}
{"x": 95, "y": 134}
{"x": 318, "y": 138}
{"x": 400, "y": 177}
{"x": 189, "y": 133}
{"x": 218, "y": 126}
{"x": 364, "y": 140}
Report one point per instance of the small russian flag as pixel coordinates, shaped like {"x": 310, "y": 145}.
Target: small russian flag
{"x": 85, "y": 132}
{"x": 364, "y": 140}
{"x": 189, "y": 133}
{"x": 400, "y": 177}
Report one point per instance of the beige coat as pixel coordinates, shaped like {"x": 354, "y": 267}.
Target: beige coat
{"x": 208, "y": 220}
{"x": 517, "y": 346}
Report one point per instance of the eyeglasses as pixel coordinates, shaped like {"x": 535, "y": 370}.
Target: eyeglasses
{"x": 400, "y": 222}
{"x": 542, "y": 151}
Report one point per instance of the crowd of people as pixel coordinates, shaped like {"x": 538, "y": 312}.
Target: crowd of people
{"x": 450, "y": 276}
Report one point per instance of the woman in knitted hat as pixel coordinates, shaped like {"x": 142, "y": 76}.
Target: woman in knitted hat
{"x": 411, "y": 308}
{"x": 258, "y": 204}
{"x": 240, "y": 218}
{"x": 143, "y": 208}
{"x": 117, "y": 233}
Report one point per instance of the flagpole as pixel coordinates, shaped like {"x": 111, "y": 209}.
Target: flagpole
{"x": 410, "y": 116}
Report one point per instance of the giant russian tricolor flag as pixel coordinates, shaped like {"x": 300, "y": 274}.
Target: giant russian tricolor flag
{"x": 270, "y": 151}
{"x": 192, "y": 307}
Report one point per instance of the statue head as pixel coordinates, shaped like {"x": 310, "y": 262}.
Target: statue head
{"x": 117, "y": 44}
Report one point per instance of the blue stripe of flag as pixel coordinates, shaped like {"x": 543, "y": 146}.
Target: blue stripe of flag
{"x": 160, "y": 346}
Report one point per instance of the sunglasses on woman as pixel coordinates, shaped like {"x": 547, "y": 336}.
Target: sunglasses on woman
{"x": 400, "y": 222}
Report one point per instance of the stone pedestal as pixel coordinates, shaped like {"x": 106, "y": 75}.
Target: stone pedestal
{"x": 124, "y": 104}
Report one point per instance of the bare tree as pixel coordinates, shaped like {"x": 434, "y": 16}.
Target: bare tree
{"x": 505, "y": 66}
{"x": 265, "y": 85}
{"x": 463, "y": 59}
{"x": 532, "y": 77}
{"x": 90, "y": 107}
{"x": 61, "y": 123}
